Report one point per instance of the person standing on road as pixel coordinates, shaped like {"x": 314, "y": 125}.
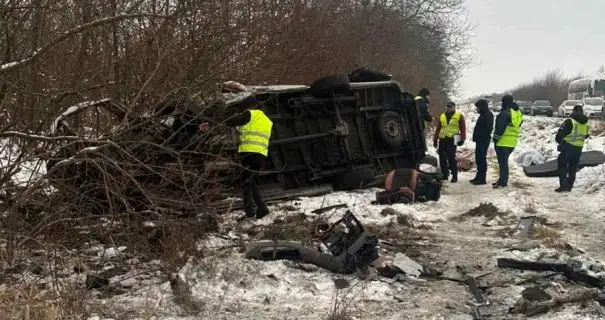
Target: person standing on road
{"x": 482, "y": 135}
{"x": 255, "y": 132}
{"x": 451, "y": 123}
{"x": 570, "y": 137}
{"x": 506, "y": 135}
{"x": 422, "y": 103}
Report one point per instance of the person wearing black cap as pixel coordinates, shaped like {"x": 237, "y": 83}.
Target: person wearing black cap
{"x": 570, "y": 137}
{"x": 451, "y": 123}
{"x": 482, "y": 135}
{"x": 255, "y": 132}
{"x": 506, "y": 135}
{"x": 422, "y": 103}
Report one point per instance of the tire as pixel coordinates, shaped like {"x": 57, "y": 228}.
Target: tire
{"x": 368, "y": 75}
{"x": 390, "y": 129}
{"x": 550, "y": 114}
{"x": 353, "y": 180}
{"x": 326, "y": 85}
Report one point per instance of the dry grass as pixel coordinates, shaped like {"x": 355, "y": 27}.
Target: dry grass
{"x": 548, "y": 236}
{"x": 530, "y": 207}
{"x": 520, "y": 185}
{"x": 35, "y": 303}
{"x": 484, "y": 209}
{"x": 343, "y": 302}
{"x": 293, "y": 227}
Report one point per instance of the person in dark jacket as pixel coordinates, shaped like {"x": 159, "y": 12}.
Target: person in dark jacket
{"x": 506, "y": 134}
{"x": 255, "y": 132}
{"x": 482, "y": 135}
{"x": 570, "y": 137}
{"x": 451, "y": 123}
{"x": 422, "y": 103}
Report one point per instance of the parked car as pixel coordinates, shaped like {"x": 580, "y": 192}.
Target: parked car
{"x": 524, "y": 106}
{"x": 593, "y": 107}
{"x": 542, "y": 107}
{"x": 566, "y": 107}
{"x": 341, "y": 132}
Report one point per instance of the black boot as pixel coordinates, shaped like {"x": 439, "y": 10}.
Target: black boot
{"x": 562, "y": 189}
{"x": 454, "y": 179}
{"x": 473, "y": 180}
{"x": 479, "y": 182}
{"x": 261, "y": 212}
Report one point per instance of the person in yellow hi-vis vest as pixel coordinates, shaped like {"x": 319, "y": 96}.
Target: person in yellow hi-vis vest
{"x": 255, "y": 133}
{"x": 570, "y": 137}
{"x": 451, "y": 123}
{"x": 506, "y": 135}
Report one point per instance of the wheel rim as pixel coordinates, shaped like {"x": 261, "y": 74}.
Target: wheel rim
{"x": 392, "y": 129}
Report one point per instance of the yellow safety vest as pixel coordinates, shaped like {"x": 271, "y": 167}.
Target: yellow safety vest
{"x": 578, "y": 134}
{"x": 449, "y": 130}
{"x": 511, "y": 134}
{"x": 255, "y": 135}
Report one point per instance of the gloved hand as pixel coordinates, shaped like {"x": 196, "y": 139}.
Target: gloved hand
{"x": 461, "y": 142}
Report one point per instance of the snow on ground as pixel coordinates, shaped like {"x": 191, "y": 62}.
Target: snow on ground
{"x": 225, "y": 285}
{"x": 232, "y": 287}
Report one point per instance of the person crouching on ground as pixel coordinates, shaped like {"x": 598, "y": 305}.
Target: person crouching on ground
{"x": 451, "y": 123}
{"x": 506, "y": 135}
{"x": 482, "y": 135}
{"x": 570, "y": 137}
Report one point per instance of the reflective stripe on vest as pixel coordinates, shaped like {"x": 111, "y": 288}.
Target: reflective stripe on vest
{"x": 255, "y": 135}
{"x": 511, "y": 134}
{"x": 578, "y": 134}
{"x": 418, "y": 98}
{"x": 449, "y": 130}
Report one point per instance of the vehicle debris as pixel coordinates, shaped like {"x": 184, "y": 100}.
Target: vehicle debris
{"x": 343, "y": 247}
{"x": 571, "y": 270}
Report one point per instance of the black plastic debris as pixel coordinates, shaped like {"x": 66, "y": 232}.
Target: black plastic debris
{"x": 570, "y": 270}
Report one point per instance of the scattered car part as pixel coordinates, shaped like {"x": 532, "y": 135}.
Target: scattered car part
{"x": 526, "y": 225}
{"x": 550, "y": 169}
{"x": 326, "y": 209}
{"x": 567, "y": 269}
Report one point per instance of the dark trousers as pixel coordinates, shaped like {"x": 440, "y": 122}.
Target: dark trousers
{"x": 567, "y": 163}
{"x": 481, "y": 159}
{"x": 447, "y": 157}
{"x": 503, "y": 153}
{"x": 252, "y": 163}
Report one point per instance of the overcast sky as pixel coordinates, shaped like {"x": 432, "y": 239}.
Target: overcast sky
{"x": 517, "y": 40}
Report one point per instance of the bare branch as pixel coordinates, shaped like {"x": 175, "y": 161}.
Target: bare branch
{"x": 67, "y": 34}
